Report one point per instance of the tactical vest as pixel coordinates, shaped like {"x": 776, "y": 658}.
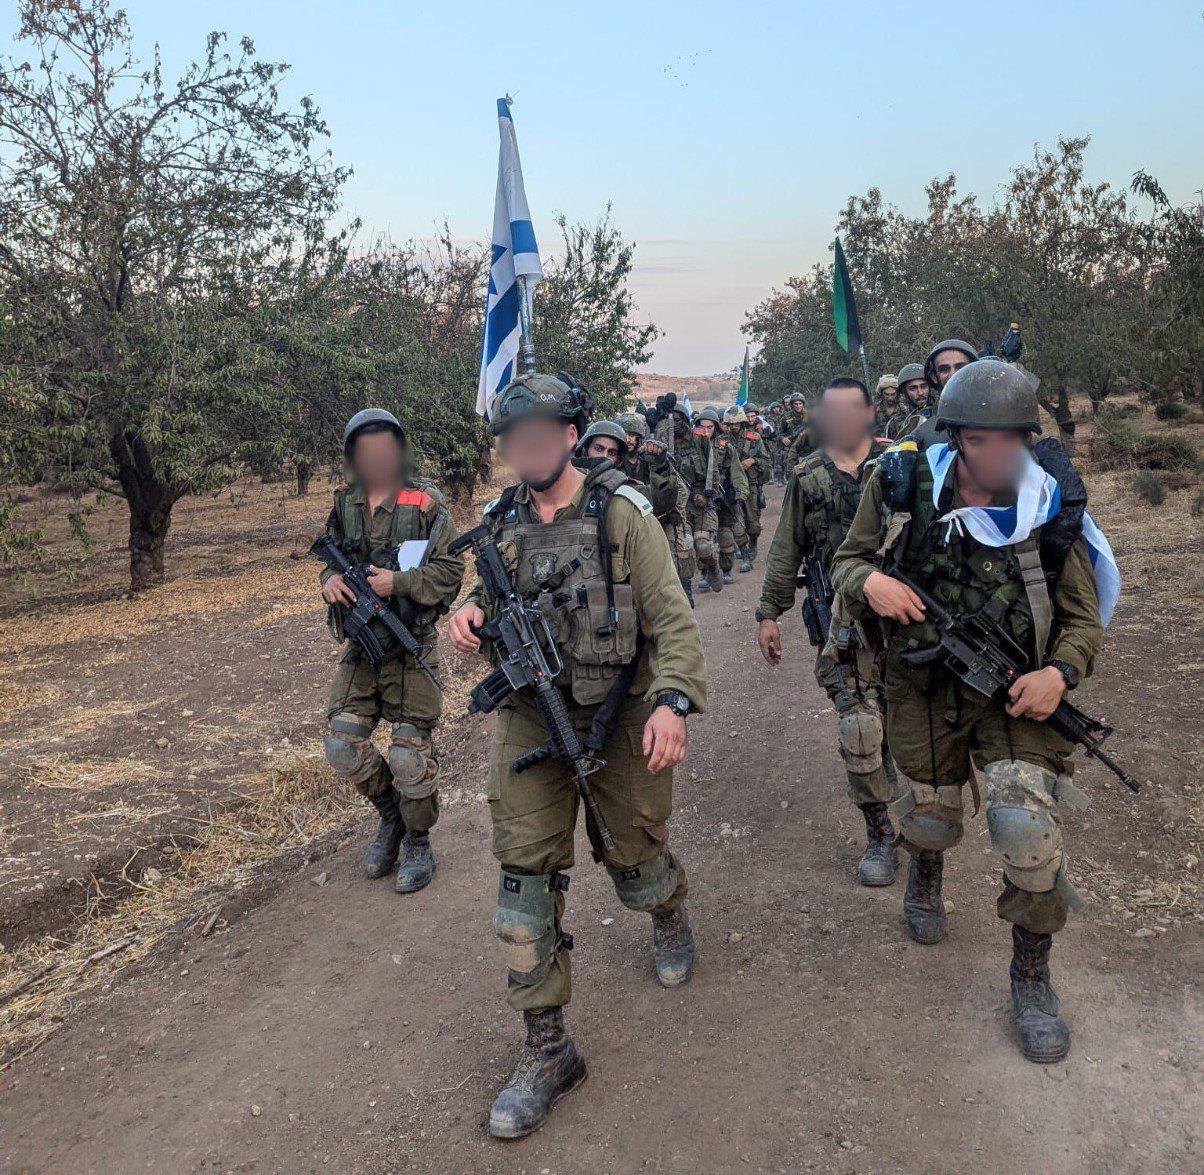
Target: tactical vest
{"x": 830, "y": 500}
{"x": 591, "y": 612}
{"x": 963, "y": 574}
{"x": 410, "y": 521}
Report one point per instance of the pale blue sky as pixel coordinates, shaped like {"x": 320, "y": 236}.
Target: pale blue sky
{"x": 727, "y": 136}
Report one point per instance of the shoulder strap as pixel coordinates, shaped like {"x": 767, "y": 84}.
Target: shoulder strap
{"x": 1036, "y": 589}
{"x": 638, "y": 500}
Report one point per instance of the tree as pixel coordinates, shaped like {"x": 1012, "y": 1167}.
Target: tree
{"x": 144, "y": 229}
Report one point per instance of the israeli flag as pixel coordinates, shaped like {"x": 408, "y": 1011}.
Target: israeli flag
{"x": 1038, "y": 499}
{"x": 515, "y": 255}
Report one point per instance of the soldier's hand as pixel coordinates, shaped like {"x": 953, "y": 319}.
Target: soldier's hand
{"x": 336, "y": 591}
{"x": 748, "y": 463}
{"x": 769, "y": 638}
{"x": 381, "y": 581}
{"x": 664, "y": 739}
{"x": 892, "y": 599}
{"x": 699, "y": 499}
{"x": 1036, "y": 695}
{"x": 460, "y": 628}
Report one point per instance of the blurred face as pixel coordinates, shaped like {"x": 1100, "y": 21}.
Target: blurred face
{"x": 947, "y": 362}
{"x": 705, "y": 427}
{"x": 917, "y": 390}
{"x": 376, "y": 457}
{"x": 605, "y": 447}
{"x": 843, "y": 418}
{"x": 535, "y": 448}
{"x": 994, "y": 457}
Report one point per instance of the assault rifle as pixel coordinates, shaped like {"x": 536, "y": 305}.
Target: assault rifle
{"x": 813, "y": 578}
{"x": 530, "y": 661}
{"x": 368, "y": 606}
{"x": 979, "y": 650}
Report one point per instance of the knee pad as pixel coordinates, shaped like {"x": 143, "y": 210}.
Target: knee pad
{"x": 525, "y": 923}
{"x": 860, "y": 741}
{"x": 348, "y": 747}
{"x": 727, "y": 541}
{"x": 644, "y": 887}
{"x": 1023, "y": 822}
{"x": 704, "y": 547}
{"x": 930, "y": 818}
{"x": 412, "y": 761}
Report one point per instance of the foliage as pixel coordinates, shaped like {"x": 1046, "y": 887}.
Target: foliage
{"x": 1148, "y": 486}
{"x": 1117, "y": 443}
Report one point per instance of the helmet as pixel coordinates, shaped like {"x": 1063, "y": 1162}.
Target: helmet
{"x": 776, "y": 404}
{"x": 989, "y": 394}
{"x": 535, "y": 394}
{"x": 888, "y": 381}
{"x": 735, "y": 415}
{"x": 751, "y": 410}
{"x": 604, "y": 428}
{"x": 682, "y": 409}
{"x": 946, "y": 345}
{"x": 910, "y": 371}
{"x": 634, "y": 423}
{"x": 371, "y": 416}
{"x": 712, "y": 414}
{"x": 790, "y": 399}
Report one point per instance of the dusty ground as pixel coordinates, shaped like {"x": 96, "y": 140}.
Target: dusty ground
{"x": 325, "y": 1023}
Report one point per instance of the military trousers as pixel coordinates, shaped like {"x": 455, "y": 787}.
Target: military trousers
{"x": 938, "y": 738}
{"x": 681, "y": 545}
{"x": 703, "y": 522}
{"x": 534, "y": 817}
{"x": 732, "y": 534}
{"x": 397, "y": 691}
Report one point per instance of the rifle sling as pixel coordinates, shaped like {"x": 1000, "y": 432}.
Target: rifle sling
{"x": 1036, "y": 589}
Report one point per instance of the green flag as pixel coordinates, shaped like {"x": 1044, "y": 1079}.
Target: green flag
{"x": 742, "y": 395}
{"x": 844, "y": 306}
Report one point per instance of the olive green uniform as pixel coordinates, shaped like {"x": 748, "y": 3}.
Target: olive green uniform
{"x": 669, "y": 497}
{"x": 397, "y": 690}
{"x": 732, "y": 507}
{"x": 747, "y": 442}
{"x": 939, "y": 729}
{"x": 820, "y": 503}
{"x": 714, "y": 538}
{"x": 534, "y": 813}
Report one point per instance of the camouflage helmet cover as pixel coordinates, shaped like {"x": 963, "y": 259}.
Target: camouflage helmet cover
{"x": 888, "y": 381}
{"x": 634, "y": 423}
{"x": 990, "y": 393}
{"x": 735, "y": 415}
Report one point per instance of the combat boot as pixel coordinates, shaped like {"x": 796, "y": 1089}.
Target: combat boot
{"x": 550, "y": 1067}
{"x": 745, "y": 560}
{"x": 1044, "y": 1035}
{"x": 382, "y": 852}
{"x": 880, "y": 862}
{"x": 727, "y": 577}
{"x": 715, "y": 578}
{"x": 923, "y": 906}
{"x": 673, "y": 945}
{"x": 417, "y": 865}
{"x": 752, "y": 550}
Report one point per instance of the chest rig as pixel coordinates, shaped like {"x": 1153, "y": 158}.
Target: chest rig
{"x": 580, "y": 579}
{"x": 416, "y": 515}
{"x": 830, "y": 501}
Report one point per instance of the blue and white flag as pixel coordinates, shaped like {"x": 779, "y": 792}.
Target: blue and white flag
{"x": 1038, "y": 499}
{"x": 515, "y": 255}
{"x": 685, "y": 400}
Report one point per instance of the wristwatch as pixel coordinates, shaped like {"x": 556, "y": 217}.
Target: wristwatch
{"x": 1069, "y": 673}
{"x": 676, "y": 701}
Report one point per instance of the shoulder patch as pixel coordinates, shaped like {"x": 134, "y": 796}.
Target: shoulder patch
{"x": 490, "y": 505}
{"x": 635, "y": 498}
{"x": 419, "y": 498}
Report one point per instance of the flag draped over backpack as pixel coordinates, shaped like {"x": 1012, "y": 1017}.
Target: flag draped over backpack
{"x": 515, "y": 255}
{"x": 742, "y": 395}
{"x": 844, "y": 306}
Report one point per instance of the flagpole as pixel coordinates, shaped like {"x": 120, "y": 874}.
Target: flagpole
{"x": 526, "y": 338}
{"x": 865, "y": 371}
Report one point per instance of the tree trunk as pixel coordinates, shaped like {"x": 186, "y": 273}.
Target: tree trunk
{"x": 150, "y": 502}
{"x": 304, "y": 472}
{"x": 1058, "y": 406}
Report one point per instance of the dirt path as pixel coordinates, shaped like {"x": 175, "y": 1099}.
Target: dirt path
{"x": 338, "y": 1027}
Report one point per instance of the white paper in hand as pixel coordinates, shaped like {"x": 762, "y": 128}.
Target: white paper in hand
{"x": 411, "y": 554}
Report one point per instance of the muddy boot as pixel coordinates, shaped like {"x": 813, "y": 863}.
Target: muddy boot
{"x": 417, "y": 863}
{"x": 550, "y": 1067}
{"x": 1044, "y": 1036}
{"x": 745, "y": 560}
{"x": 880, "y": 862}
{"x": 715, "y": 578}
{"x": 727, "y": 577}
{"x": 923, "y": 906}
{"x": 752, "y": 550}
{"x": 382, "y": 852}
{"x": 673, "y": 945}
{"x": 689, "y": 593}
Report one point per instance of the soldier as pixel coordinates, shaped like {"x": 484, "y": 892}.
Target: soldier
{"x": 383, "y": 506}
{"x": 821, "y": 500}
{"x": 912, "y": 403}
{"x": 750, "y": 452}
{"x": 885, "y": 401}
{"x": 698, "y": 465}
{"x": 554, "y": 516}
{"x": 796, "y": 427}
{"x": 775, "y": 419}
{"x": 648, "y": 463}
{"x": 924, "y": 511}
{"x": 731, "y": 487}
